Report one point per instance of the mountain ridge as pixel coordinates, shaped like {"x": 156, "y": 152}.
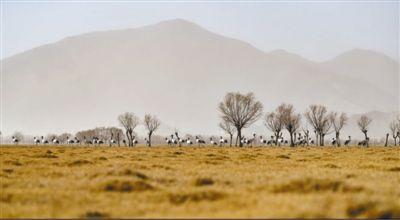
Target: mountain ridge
{"x": 170, "y": 71}
{"x": 180, "y": 21}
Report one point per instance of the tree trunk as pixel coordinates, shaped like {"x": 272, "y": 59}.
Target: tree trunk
{"x": 316, "y": 139}
{"x": 239, "y": 130}
{"x": 291, "y": 139}
{"x": 366, "y": 139}
{"x": 322, "y": 139}
{"x": 236, "y": 140}
{"x": 128, "y": 137}
{"x": 387, "y": 137}
{"x": 131, "y": 140}
{"x": 230, "y": 141}
{"x": 306, "y": 137}
{"x": 319, "y": 139}
{"x": 150, "y": 139}
{"x": 276, "y": 138}
{"x": 337, "y": 139}
{"x": 118, "y": 140}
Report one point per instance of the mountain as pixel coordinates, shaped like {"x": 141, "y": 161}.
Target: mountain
{"x": 375, "y": 68}
{"x": 178, "y": 71}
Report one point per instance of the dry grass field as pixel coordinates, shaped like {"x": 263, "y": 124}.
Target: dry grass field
{"x": 200, "y": 182}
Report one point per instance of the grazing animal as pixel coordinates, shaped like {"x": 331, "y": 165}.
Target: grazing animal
{"x": 173, "y": 139}
{"x": 347, "y": 142}
{"x": 363, "y": 143}
{"x": 181, "y": 141}
{"x": 189, "y": 142}
{"x": 333, "y": 141}
{"x": 280, "y": 140}
{"x": 262, "y": 141}
{"x": 168, "y": 141}
{"x": 44, "y": 141}
{"x": 147, "y": 142}
{"x": 94, "y": 140}
{"x": 55, "y": 141}
{"x": 271, "y": 141}
{"x": 135, "y": 141}
{"x": 300, "y": 141}
{"x": 243, "y": 140}
{"x": 124, "y": 142}
{"x": 36, "y": 141}
{"x": 248, "y": 141}
{"x": 222, "y": 141}
{"x": 174, "y": 142}
{"x": 70, "y": 141}
{"x": 212, "y": 142}
{"x": 15, "y": 140}
{"x": 251, "y": 140}
{"x": 77, "y": 140}
{"x": 86, "y": 141}
{"x": 97, "y": 141}
{"x": 199, "y": 141}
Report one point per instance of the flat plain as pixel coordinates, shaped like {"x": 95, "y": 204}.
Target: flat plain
{"x": 302, "y": 182}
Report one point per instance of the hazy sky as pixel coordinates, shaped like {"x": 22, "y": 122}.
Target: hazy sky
{"x": 315, "y": 30}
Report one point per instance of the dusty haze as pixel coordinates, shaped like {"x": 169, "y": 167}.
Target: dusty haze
{"x": 179, "y": 71}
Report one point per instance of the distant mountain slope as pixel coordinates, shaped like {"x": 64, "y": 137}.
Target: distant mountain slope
{"x": 376, "y": 68}
{"x": 174, "y": 69}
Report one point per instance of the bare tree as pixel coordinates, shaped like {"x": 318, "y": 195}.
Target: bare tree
{"x": 105, "y": 134}
{"x": 363, "y": 124}
{"x": 151, "y": 123}
{"x": 393, "y": 126}
{"x": 386, "y": 140}
{"x": 398, "y": 127}
{"x": 338, "y": 121}
{"x": 129, "y": 121}
{"x": 64, "y": 137}
{"x": 318, "y": 117}
{"x": 291, "y": 121}
{"x": 273, "y": 121}
{"x": 306, "y": 135}
{"x": 326, "y": 126}
{"x": 50, "y": 137}
{"x": 102, "y": 133}
{"x": 229, "y": 129}
{"x": 240, "y": 110}
{"x": 116, "y": 134}
{"x": 85, "y": 136}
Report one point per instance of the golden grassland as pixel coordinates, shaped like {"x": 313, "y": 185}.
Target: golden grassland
{"x": 55, "y": 181}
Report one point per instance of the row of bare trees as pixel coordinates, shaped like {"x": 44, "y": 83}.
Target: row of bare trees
{"x": 101, "y": 133}
{"x": 239, "y": 111}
